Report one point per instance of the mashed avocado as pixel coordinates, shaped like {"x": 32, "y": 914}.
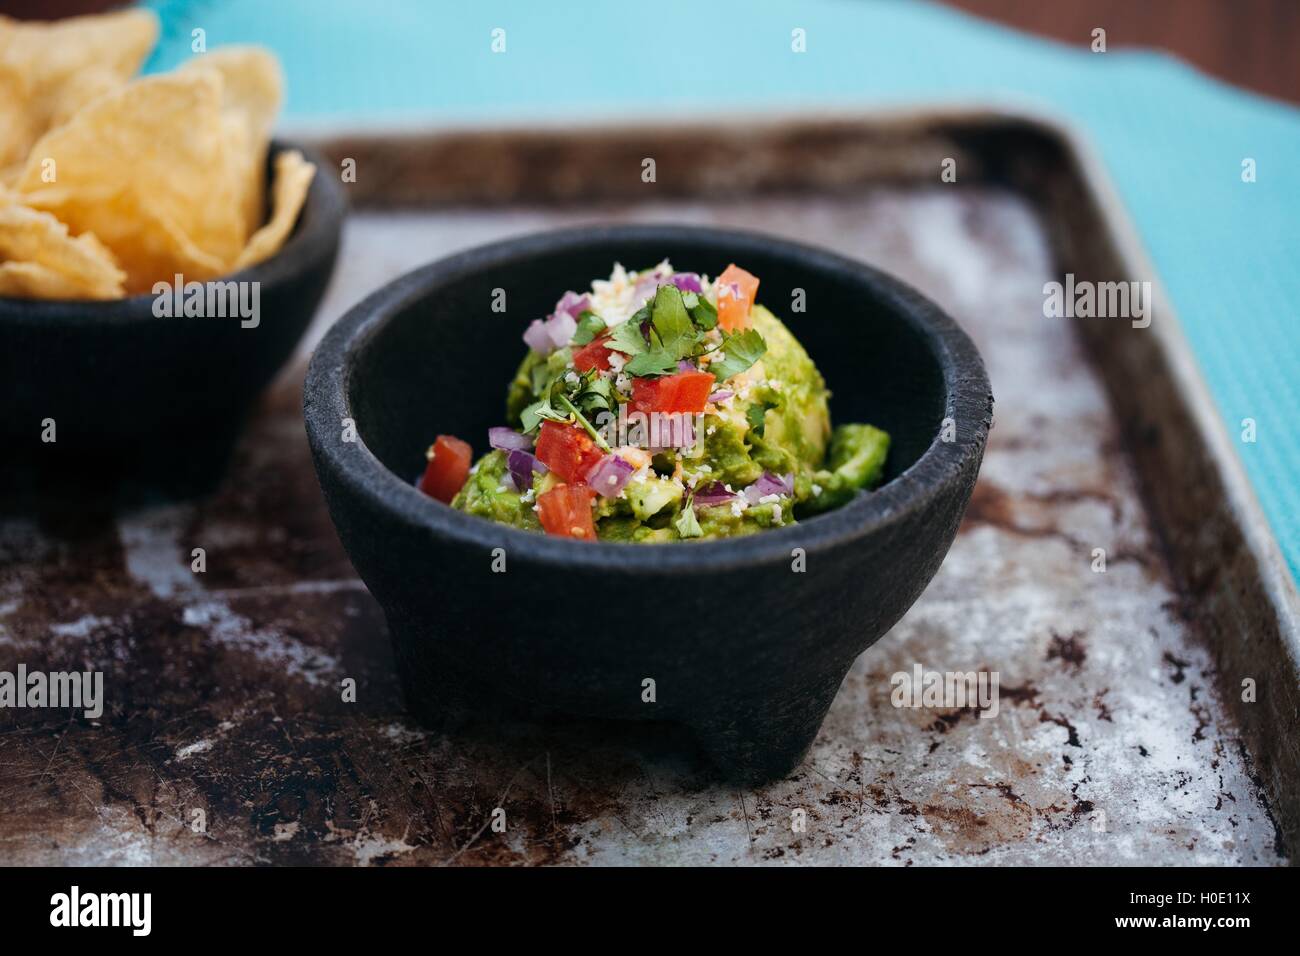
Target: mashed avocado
{"x": 758, "y": 452}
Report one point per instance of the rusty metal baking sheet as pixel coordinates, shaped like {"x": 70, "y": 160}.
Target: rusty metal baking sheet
{"x": 225, "y": 738}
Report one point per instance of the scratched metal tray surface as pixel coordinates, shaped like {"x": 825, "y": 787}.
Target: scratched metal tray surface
{"x": 225, "y": 737}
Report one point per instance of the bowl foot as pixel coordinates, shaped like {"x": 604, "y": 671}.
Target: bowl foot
{"x": 760, "y": 741}
{"x": 748, "y": 740}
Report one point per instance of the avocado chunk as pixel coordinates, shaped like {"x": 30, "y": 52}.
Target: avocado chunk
{"x": 490, "y": 493}
{"x": 856, "y": 460}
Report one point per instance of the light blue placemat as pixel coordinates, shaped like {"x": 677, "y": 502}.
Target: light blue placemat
{"x": 1172, "y": 139}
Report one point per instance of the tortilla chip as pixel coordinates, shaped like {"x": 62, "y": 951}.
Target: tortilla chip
{"x": 252, "y": 93}
{"x": 148, "y": 170}
{"x": 41, "y": 259}
{"x": 64, "y": 65}
{"x": 293, "y": 175}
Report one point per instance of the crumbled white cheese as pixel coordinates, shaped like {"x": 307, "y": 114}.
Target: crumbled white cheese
{"x": 614, "y": 299}
{"x": 816, "y": 489}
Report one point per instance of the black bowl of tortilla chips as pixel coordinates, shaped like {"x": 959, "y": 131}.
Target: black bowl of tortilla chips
{"x": 160, "y": 255}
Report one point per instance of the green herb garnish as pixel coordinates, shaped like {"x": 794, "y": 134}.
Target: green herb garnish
{"x": 673, "y": 336}
{"x": 581, "y": 420}
{"x": 672, "y": 323}
{"x": 655, "y": 362}
{"x": 701, "y": 309}
{"x": 590, "y": 325}
{"x": 540, "y": 411}
{"x": 739, "y": 351}
{"x": 687, "y": 525}
{"x": 627, "y": 337}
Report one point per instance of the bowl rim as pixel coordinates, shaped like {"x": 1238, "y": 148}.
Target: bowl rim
{"x": 304, "y": 247}
{"x": 325, "y": 405}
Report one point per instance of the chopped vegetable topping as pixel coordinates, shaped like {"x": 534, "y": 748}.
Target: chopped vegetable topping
{"x": 733, "y": 434}
{"x": 448, "y": 467}
{"x": 522, "y": 465}
{"x": 739, "y": 352}
{"x": 565, "y": 511}
{"x": 567, "y": 450}
{"x": 736, "y": 292}
{"x": 593, "y": 355}
{"x": 687, "y": 525}
{"x": 608, "y": 477}
{"x": 507, "y": 438}
{"x": 683, "y": 392}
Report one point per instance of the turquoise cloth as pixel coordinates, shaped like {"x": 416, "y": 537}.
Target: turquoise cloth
{"x": 1172, "y": 139}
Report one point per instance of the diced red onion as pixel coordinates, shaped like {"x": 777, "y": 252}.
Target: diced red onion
{"x": 685, "y": 365}
{"x": 561, "y": 327}
{"x": 608, "y": 476}
{"x": 507, "y": 439}
{"x": 538, "y": 337}
{"x": 522, "y": 464}
{"x": 714, "y": 494}
{"x": 544, "y": 336}
{"x": 721, "y": 396}
{"x": 687, "y": 282}
{"x": 644, "y": 289}
{"x": 573, "y": 305}
{"x": 648, "y": 283}
{"x": 770, "y": 484}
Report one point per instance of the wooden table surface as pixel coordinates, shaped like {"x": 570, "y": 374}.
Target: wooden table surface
{"x": 1251, "y": 43}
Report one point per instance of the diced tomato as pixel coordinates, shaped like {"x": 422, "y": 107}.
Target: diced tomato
{"x": 684, "y": 392}
{"x": 567, "y": 450}
{"x": 448, "y": 467}
{"x": 693, "y": 390}
{"x": 565, "y": 511}
{"x": 592, "y": 355}
{"x": 736, "y": 291}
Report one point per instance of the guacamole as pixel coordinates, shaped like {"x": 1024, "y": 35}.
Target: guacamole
{"x": 661, "y": 406}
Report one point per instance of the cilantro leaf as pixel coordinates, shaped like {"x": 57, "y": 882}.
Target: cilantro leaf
{"x": 627, "y": 338}
{"x": 756, "y": 415}
{"x": 540, "y": 411}
{"x": 590, "y": 325}
{"x": 544, "y": 408}
{"x": 657, "y": 361}
{"x": 687, "y": 525}
{"x": 672, "y": 323}
{"x": 595, "y": 394}
{"x": 740, "y": 351}
{"x": 581, "y": 421}
{"x": 702, "y": 311}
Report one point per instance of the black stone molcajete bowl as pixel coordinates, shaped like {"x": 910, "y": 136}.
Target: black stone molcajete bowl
{"x": 743, "y": 649}
{"x": 140, "y": 397}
